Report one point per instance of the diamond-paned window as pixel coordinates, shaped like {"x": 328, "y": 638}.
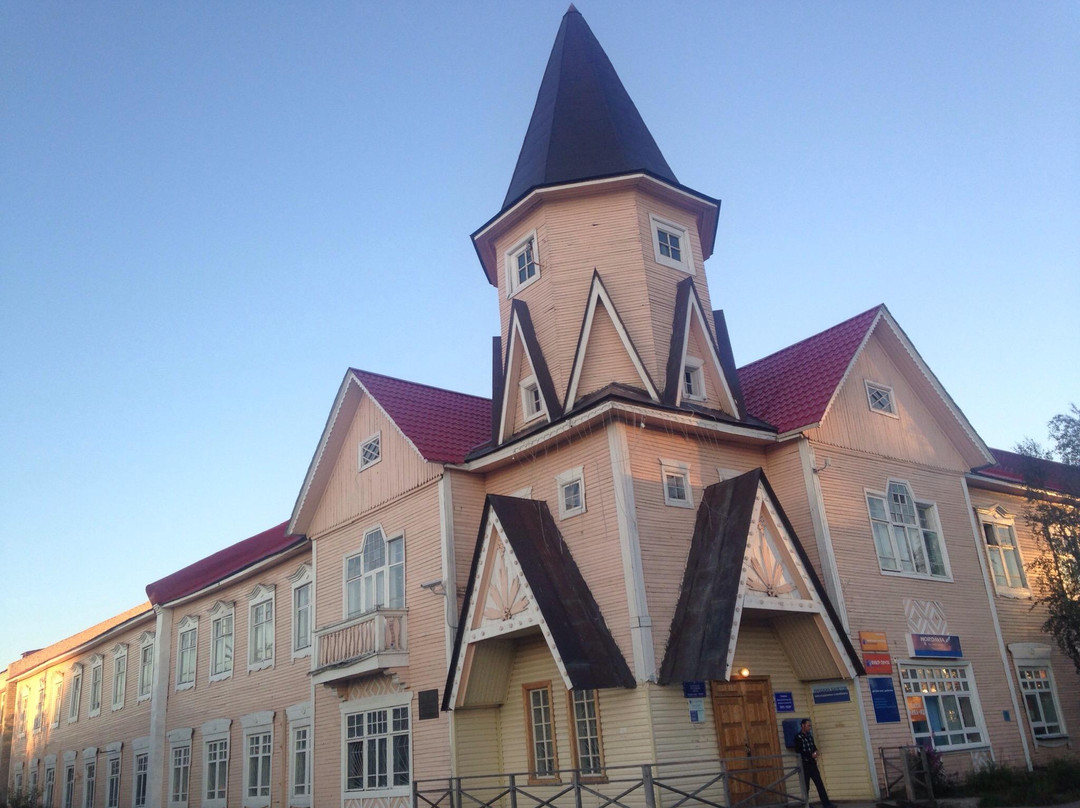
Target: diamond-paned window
{"x": 370, "y": 451}
{"x": 880, "y": 398}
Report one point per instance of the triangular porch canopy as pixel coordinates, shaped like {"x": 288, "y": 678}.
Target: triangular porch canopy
{"x": 745, "y": 561}
{"x": 524, "y": 580}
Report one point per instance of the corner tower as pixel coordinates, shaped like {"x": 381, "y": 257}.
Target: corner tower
{"x": 598, "y": 255}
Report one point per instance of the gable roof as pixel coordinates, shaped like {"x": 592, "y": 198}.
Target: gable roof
{"x": 792, "y": 388}
{"x": 589, "y": 653}
{"x": 584, "y": 124}
{"x": 31, "y": 659}
{"x": 1012, "y": 467}
{"x": 223, "y": 564}
{"x": 443, "y": 425}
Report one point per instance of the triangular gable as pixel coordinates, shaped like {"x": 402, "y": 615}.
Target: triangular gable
{"x": 524, "y": 358}
{"x": 601, "y": 317}
{"x": 745, "y": 555}
{"x": 523, "y": 576}
{"x": 690, "y": 320}
{"x": 727, "y": 358}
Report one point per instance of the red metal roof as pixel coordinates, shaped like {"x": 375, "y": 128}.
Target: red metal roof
{"x": 792, "y": 387}
{"x": 1011, "y": 467}
{"x": 442, "y": 424}
{"x": 222, "y": 564}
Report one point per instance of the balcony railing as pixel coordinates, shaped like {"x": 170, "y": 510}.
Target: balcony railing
{"x": 358, "y": 645}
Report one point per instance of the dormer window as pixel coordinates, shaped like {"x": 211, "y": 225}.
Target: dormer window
{"x": 880, "y": 398}
{"x": 370, "y": 451}
{"x": 671, "y": 245}
{"x": 693, "y": 379}
{"x": 532, "y": 403}
{"x": 522, "y": 265}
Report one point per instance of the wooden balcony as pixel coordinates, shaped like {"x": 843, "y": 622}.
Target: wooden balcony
{"x": 360, "y": 645}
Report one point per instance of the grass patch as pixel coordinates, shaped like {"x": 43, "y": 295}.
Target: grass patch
{"x": 997, "y": 785}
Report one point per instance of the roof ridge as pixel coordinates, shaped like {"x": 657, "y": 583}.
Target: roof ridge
{"x": 873, "y": 309}
{"x": 419, "y": 384}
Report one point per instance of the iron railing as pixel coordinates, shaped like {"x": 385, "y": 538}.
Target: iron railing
{"x": 907, "y": 773}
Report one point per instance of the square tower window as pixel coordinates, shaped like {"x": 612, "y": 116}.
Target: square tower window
{"x": 671, "y": 245}
{"x": 571, "y": 485}
{"x": 522, "y": 265}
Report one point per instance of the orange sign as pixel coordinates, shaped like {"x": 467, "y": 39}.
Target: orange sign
{"x": 916, "y": 709}
{"x": 877, "y": 664}
{"x": 873, "y": 641}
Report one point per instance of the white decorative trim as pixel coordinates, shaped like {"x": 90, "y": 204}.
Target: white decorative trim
{"x": 304, "y": 576}
{"x": 569, "y": 477}
{"x": 187, "y": 624}
{"x": 697, "y": 369}
{"x": 685, "y": 262}
{"x": 694, "y": 312}
{"x": 119, "y": 694}
{"x": 512, "y": 285}
{"x": 259, "y": 720}
{"x": 219, "y": 611}
{"x": 525, "y": 387}
{"x": 179, "y": 735}
{"x": 114, "y": 749}
{"x": 216, "y": 726}
{"x": 97, "y": 663}
{"x": 70, "y": 756}
{"x": 262, "y": 593}
{"x": 298, "y": 712}
{"x": 140, "y": 744}
{"x": 387, "y": 701}
{"x": 999, "y": 516}
{"x": 516, "y": 335}
{"x": 299, "y": 717}
{"x": 146, "y": 640}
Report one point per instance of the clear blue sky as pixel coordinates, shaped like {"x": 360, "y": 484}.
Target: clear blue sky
{"x": 208, "y": 211}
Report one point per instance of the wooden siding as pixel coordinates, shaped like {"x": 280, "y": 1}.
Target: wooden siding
{"x": 875, "y": 601}
{"x": 350, "y": 492}
{"x": 1020, "y": 622}
{"x": 468, "y": 494}
{"x": 606, "y": 359}
{"x": 916, "y": 435}
{"x": 521, "y": 368}
{"x": 697, "y": 345}
{"x": 785, "y": 474}
{"x": 478, "y": 741}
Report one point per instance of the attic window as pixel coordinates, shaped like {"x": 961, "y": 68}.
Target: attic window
{"x": 532, "y": 403}
{"x": 671, "y": 245}
{"x": 880, "y": 398}
{"x": 522, "y": 266}
{"x": 693, "y": 379}
{"x": 370, "y": 451}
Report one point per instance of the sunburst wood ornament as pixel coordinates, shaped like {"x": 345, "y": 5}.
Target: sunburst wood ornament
{"x": 505, "y": 595}
{"x": 767, "y": 574}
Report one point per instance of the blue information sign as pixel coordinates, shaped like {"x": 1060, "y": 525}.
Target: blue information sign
{"x": 693, "y": 690}
{"x": 830, "y": 694}
{"x": 785, "y": 701}
{"x": 936, "y": 645}
{"x": 882, "y": 693}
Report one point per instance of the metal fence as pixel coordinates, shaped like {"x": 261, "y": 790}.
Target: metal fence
{"x": 908, "y": 774}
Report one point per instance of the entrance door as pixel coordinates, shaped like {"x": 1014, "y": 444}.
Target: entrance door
{"x": 749, "y": 742}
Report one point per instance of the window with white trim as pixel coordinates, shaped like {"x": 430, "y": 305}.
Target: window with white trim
{"x": 146, "y": 665}
{"x": 301, "y": 611}
{"x": 22, "y": 698}
{"x": 221, "y": 641}
{"x": 187, "y": 643}
{"x": 532, "y": 401}
{"x": 1041, "y": 702}
{"x": 69, "y": 785}
{"x": 676, "y": 480}
{"x": 1003, "y": 552}
{"x": 49, "y": 789}
{"x": 258, "y": 749}
{"x": 119, "y": 676}
{"x": 671, "y": 244}
{"x": 571, "y": 486}
{"x": 32, "y": 788}
{"x": 693, "y": 383}
{"x": 942, "y": 706}
{"x": 585, "y": 725}
{"x": 179, "y": 775}
{"x": 39, "y": 714}
{"x": 142, "y": 776}
{"x": 112, "y": 791}
{"x": 17, "y": 779}
{"x": 540, "y": 726}
{"x": 300, "y": 743}
{"x": 89, "y": 783}
{"x": 261, "y": 628}
{"x": 215, "y": 769}
{"x": 97, "y": 672}
{"x": 880, "y": 398}
{"x": 906, "y": 533}
{"x": 58, "y": 699}
{"x": 522, "y": 265}
{"x": 75, "y": 694}
{"x": 370, "y": 451}
{"x": 377, "y": 750}
{"x": 375, "y": 577}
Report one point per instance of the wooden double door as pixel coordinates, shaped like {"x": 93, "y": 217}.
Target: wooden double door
{"x": 748, "y": 739}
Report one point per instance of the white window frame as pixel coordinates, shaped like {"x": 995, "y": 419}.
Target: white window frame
{"x": 68, "y": 795}
{"x": 370, "y": 578}
{"x": 58, "y": 699}
{"x": 146, "y": 676}
{"x": 222, "y": 614}
{"x": 302, "y": 615}
{"x": 113, "y": 774}
{"x": 215, "y": 732}
{"x": 951, "y": 680}
{"x": 179, "y": 768}
{"x": 587, "y": 728}
{"x": 48, "y": 789}
{"x": 22, "y": 700}
{"x": 513, "y": 286}
{"x": 299, "y": 716}
{"x": 185, "y": 677}
{"x": 935, "y": 528}
{"x": 32, "y": 780}
{"x": 562, "y": 483}
{"x": 75, "y": 692}
{"x": 89, "y": 777}
{"x": 39, "y": 714}
{"x": 672, "y": 469}
{"x": 257, "y": 726}
{"x": 140, "y": 748}
{"x": 97, "y": 685}
{"x": 364, "y": 707}
{"x": 685, "y": 262}
{"x": 361, "y": 463}
{"x": 878, "y": 387}
{"x": 261, "y": 595}
{"x": 119, "y": 676}
{"x": 696, "y": 369}
{"x": 526, "y": 387}
{"x": 17, "y": 779}
{"x": 997, "y": 517}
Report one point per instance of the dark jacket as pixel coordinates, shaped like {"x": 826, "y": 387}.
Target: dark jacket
{"x": 805, "y": 746}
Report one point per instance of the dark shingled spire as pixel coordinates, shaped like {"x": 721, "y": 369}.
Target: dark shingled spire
{"x": 584, "y": 124}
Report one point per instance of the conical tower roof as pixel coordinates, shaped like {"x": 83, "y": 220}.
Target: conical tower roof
{"x": 584, "y": 124}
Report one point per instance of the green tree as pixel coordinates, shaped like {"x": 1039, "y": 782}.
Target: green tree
{"x": 1053, "y": 512}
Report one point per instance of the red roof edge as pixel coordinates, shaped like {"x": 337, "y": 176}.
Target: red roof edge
{"x": 1047, "y": 474}
{"x": 223, "y": 564}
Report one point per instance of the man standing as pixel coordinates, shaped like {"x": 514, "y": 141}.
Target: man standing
{"x": 808, "y": 751}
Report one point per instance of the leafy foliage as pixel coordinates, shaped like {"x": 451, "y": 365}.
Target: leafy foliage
{"x": 999, "y": 785}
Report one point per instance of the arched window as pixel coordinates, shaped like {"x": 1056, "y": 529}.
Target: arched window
{"x": 375, "y": 577}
